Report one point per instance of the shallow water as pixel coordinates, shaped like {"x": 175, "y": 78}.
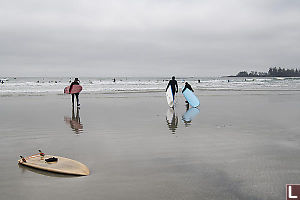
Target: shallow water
{"x": 240, "y": 145}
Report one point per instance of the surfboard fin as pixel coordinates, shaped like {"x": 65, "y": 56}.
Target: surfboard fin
{"x": 41, "y": 153}
{"x": 23, "y": 159}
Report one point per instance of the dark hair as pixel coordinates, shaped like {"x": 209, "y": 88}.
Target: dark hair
{"x": 173, "y": 77}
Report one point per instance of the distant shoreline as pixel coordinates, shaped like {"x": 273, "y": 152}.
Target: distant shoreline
{"x": 234, "y": 76}
{"x": 273, "y": 72}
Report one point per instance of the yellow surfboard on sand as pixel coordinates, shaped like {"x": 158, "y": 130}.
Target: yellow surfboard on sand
{"x": 62, "y": 165}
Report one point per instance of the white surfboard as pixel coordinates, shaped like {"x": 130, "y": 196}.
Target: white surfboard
{"x": 172, "y": 120}
{"x": 170, "y": 115}
{"x": 170, "y": 98}
{"x": 62, "y": 165}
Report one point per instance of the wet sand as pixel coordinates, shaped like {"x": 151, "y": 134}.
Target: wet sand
{"x": 240, "y": 145}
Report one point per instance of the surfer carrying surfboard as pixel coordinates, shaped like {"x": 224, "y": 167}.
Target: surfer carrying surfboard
{"x": 189, "y": 95}
{"x": 187, "y": 86}
{"x": 75, "y": 82}
{"x": 174, "y": 86}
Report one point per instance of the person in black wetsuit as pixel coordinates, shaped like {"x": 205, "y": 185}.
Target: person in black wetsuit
{"x": 75, "y": 82}
{"x": 174, "y": 86}
{"x": 187, "y": 85}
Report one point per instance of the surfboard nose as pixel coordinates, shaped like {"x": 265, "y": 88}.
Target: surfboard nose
{"x": 84, "y": 171}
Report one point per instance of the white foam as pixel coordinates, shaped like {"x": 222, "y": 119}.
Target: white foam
{"x": 95, "y": 85}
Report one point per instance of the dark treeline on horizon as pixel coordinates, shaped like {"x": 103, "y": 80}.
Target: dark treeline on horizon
{"x": 273, "y": 72}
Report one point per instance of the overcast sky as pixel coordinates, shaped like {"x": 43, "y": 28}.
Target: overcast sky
{"x": 147, "y": 37}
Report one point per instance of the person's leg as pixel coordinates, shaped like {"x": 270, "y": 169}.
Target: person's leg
{"x": 73, "y": 99}
{"x": 173, "y": 92}
{"x": 77, "y": 98}
{"x": 73, "y": 113}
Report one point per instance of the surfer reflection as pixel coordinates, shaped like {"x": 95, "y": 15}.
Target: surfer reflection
{"x": 189, "y": 115}
{"x": 74, "y": 122}
{"x": 172, "y": 120}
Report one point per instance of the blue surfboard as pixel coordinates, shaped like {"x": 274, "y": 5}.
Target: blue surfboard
{"x": 191, "y": 97}
{"x": 190, "y": 114}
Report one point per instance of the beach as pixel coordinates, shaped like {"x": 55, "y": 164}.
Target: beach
{"x": 232, "y": 133}
{"x": 238, "y": 145}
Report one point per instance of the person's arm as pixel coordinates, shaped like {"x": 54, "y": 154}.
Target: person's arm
{"x": 168, "y": 86}
{"x": 190, "y": 87}
{"x": 71, "y": 86}
{"x": 176, "y": 87}
{"x": 183, "y": 89}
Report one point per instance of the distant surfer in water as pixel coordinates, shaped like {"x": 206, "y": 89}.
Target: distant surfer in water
{"x": 75, "y": 82}
{"x": 174, "y": 86}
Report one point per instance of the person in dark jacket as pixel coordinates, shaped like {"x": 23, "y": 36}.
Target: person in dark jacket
{"x": 75, "y": 82}
{"x": 187, "y": 85}
{"x": 174, "y": 86}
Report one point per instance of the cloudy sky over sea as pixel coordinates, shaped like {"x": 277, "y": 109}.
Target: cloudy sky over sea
{"x": 147, "y": 37}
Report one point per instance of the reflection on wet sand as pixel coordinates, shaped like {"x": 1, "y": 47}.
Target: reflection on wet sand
{"x": 74, "y": 122}
{"x": 189, "y": 115}
{"x": 172, "y": 120}
{"x": 45, "y": 173}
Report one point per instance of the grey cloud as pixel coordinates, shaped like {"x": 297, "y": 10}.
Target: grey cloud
{"x": 147, "y": 37}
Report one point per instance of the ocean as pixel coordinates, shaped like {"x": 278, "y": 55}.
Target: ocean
{"x": 55, "y": 85}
